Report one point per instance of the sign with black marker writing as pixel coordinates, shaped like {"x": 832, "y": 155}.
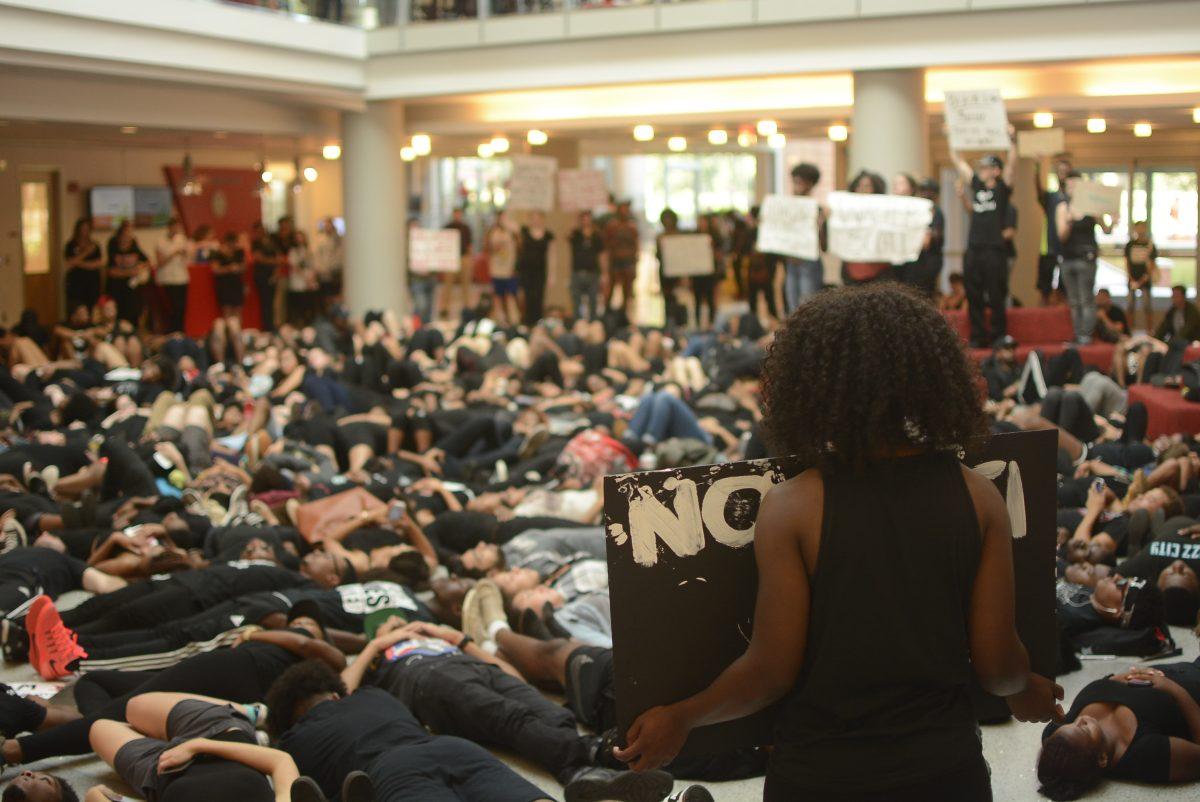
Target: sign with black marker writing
{"x": 977, "y": 120}
{"x": 878, "y": 228}
{"x": 683, "y": 579}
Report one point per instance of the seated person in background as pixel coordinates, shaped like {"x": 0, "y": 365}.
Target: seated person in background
{"x": 1111, "y": 324}
{"x": 1182, "y": 321}
{"x": 956, "y": 297}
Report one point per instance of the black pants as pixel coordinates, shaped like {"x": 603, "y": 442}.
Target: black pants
{"x": 227, "y": 674}
{"x": 446, "y": 769}
{"x": 17, "y": 714}
{"x": 768, "y": 291}
{"x": 176, "y": 307}
{"x": 125, "y": 474}
{"x": 985, "y": 279}
{"x": 533, "y": 283}
{"x": 479, "y": 702}
{"x": 970, "y": 784}
{"x": 704, "y": 291}
{"x": 265, "y": 284}
{"x": 146, "y": 605}
{"x": 1071, "y": 413}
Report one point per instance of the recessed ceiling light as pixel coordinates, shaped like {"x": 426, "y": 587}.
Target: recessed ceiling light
{"x": 1097, "y": 125}
{"x": 839, "y": 132}
{"x": 537, "y": 138}
{"x": 332, "y": 151}
{"x": 129, "y": 129}
{"x": 767, "y": 127}
{"x": 1142, "y": 130}
{"x": 1043, "y": 119}
{"x": 422, "y": 144}
{"x": 643, "y": 133}
{"x": 718, "y": 136}
{"x": 677, "y": 144}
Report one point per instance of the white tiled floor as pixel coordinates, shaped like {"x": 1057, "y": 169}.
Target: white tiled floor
{"x": 1011, "y": 750}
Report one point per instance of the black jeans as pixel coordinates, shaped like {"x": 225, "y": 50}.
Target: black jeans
{"x": 970, "y": 784}
{"x": 985, "y": 279}
{"x": 176, "y": 307}
{"x": 1071, "y": 413}
{"x": 265, "y": 284}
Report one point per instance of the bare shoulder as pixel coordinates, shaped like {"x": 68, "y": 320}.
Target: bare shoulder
{"x": 987, "y": 499}
{"x": 795, "y": 504}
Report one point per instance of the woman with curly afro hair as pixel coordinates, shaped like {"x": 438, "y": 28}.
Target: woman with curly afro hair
{"x": 885, "y": 570}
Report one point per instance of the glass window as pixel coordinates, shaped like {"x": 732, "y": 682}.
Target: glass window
{"x": 35, "y": 227}
{"x": 694, "y": 184}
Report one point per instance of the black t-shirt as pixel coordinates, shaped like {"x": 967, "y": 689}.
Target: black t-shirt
{"x": 532, "y": 254}
{"x": 585, "y": 251}
{"x": 1157, "y": 555}
{"x": 1076, "y": 614}
{"x": 82, "y": 282}
{"x": 124, "y": 258}
{"x": 1147, "y": 253}
{"x": 1117, "y": 315}
{"x": 343, "y": 608}
{"x": 34, "y": 566}
{"x": 266, "y": 661}
{"x": 989, "y": 213}
{"x": 337, "y": 737}
{"x": 225, "y": 260}
{"x": 402, "y": 667}
{"x": 218, "y": 583}
{"x": 459, "y": 531}
{"x": 464, "y": 235}
{"x": 1148, "y": 757}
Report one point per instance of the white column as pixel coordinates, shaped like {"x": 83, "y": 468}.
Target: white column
{"x": 375, "y": 186}
{"x": 891, "y": 128}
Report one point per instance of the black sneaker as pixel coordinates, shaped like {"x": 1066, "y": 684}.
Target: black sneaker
{"x": 358, "y": 788}
{"x": 556, "y": 629}
{"x": 693, "y": 793}
{"x": 598, "y": 784}
{"x": 531, "y": 624}
{"x": 603, "y": 755}
{"x": 305, "y": 789}
{"x": 14, "y": 642}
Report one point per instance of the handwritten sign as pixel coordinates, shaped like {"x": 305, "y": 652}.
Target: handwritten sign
{"x": 531, "y": 187}
{"x": 877, "y": 228}
{"x": 434, "y": 250}
{"x": 977, "y": 120}
{"x": 1096, "y": 199}
{"x": 787, "y": 225}
{"x": 687, "y": 255}
{"x": 582, "y": 190}
{"x": 1041, "y": 142}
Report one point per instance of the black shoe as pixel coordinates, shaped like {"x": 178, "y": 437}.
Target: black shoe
{"x": 358, "y": 788}
{"x": 556, "y": 629}
{"x": 306, "y": 790}
{"x": 14, "y": 642}
{"x": 597, "y": 784}
{"x": 531, "y": 624}
{"x": 602, "y": 755}
{"x": 693, "y": 793}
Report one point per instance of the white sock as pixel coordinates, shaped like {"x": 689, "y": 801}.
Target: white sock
{"x": 489, "y": 646}
{"x": 494, "y": 627}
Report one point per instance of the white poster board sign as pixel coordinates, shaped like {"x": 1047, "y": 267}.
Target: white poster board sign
{"x": 582, "y": 190}
{"x": 877, "y": 228}
{"x": 531, "y": 187}
{"x": 434, "y": 250}
{"x": 1096, "y": 199}
{"x": 1041, "y": 142}
{"x": 977, "y": 120}
{"x": 788, "y": 225}
{"x": 687, "y": 255}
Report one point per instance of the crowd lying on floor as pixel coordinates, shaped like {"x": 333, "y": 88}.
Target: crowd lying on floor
{"x": 427, "y": 500}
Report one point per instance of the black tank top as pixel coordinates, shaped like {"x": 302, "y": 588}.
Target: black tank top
{"x": 882, "y": 700}
{"x": 1081, "y": 242}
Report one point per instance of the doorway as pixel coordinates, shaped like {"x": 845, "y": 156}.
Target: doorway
{"x": 40, "y": 264}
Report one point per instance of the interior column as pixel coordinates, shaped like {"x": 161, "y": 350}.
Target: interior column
{"x": 891, "y": 128}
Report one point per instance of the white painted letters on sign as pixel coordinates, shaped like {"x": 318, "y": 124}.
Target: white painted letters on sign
{"x": 787, "y": 225}
{"x": 977, "y": 120}
{"x": 877, "y": 228}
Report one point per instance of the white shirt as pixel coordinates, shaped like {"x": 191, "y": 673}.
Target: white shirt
{"x": 172, "y": 256}
{"x": 327, "y": 256}
{"x": 299, "y": 269}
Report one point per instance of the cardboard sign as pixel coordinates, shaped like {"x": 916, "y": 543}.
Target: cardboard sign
{"x": 1041, "y": 142}
{"x": 582, "y": 190}
{"x": 977, "y": 120}
{"x": 531, "y": 187}
{"x": 683, "y": 579}
{"x": 1096, "y": 199}
{"x": 788, "y": 225}
{"x": 877, "y": 228}
{"x": 686, "y": 255}
{"x": 434, "y": 250}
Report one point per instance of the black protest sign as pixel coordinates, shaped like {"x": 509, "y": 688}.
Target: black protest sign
{"x": 683, "y": 581}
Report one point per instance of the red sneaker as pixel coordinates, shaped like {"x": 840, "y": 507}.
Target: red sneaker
{"x": 57, "y": 648}
{"x": 31, "y": 617}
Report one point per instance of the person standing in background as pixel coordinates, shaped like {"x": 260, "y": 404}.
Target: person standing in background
{"x": 587, "y": 254}
{"x": 676, "y": 315}
{"x": 463, "y": 277}
{"x": 327, "y": 257}
{"x": 985, "y": 263}
{"x": 422, "y": 286}
{"x": 501, "y": 249}
{"x": 1077, "y": 235}
{"x": 803, "y": 277}
{"x": 704, "y": 288}
{"x": 171, "y": 273}
{"x": 127, "y": 267}
{"x": 534, "y": 264}
{"x": 930, "y": 263}
{"x": 865, "y": 272}
{"x": 301, "y": 281}
{"x": 229, "y": 270}
{"x": 1048, "y": 262}
{"x": 905, "y": 185}
{"x": 621, "y": 245}
{"x": 1141, "y": 262}
{"x": 84, "y": 262}
{"x": 268, "y": 260}
{"x": 760, "y": 269}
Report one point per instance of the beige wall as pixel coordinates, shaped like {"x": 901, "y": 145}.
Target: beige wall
{"x": 86, "y": 166}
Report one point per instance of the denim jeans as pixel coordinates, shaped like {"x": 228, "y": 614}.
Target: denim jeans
{"x": 423, "y": 289}
{"x": 1079, "y": 278}
{"x": 802, "y": 278}
{"x": 585, "y": 287}
{"x": 661, "y": 416}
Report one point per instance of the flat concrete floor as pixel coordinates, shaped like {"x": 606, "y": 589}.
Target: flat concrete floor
{"x": 1011, "y": 749}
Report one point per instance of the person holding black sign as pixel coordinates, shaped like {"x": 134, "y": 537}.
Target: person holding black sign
{"x": 985, "y": 264}
{"x": 886, "y": 511}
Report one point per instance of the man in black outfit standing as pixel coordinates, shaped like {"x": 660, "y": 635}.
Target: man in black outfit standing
{"x": 985, "y": 264}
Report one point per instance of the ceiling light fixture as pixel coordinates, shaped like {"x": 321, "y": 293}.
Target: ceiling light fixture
{"x": 332, "y": 152}
{"x": 1043, "y": 119}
